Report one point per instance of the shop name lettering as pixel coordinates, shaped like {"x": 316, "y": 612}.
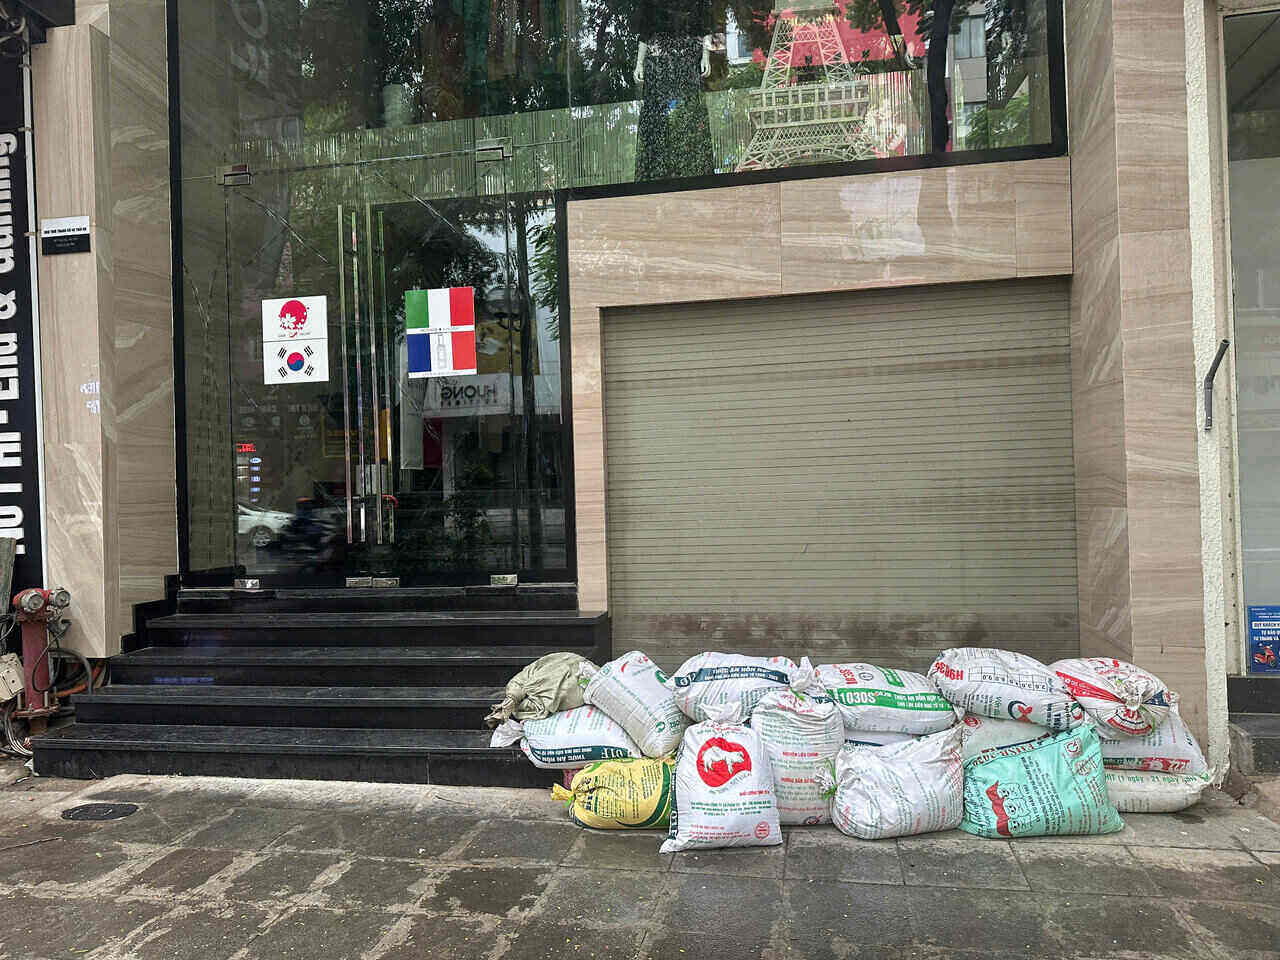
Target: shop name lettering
{"x": 470, "y": 393}
{"x": 10, "y": 441}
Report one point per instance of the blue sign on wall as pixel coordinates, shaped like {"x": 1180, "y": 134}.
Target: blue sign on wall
{"x": 1264, "y": 639}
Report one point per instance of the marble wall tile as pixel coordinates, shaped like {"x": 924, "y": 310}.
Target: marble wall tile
{"x": 930, "y": 226}
{"x": 1103, "y": 570}
{"x": 1042, "y": 218}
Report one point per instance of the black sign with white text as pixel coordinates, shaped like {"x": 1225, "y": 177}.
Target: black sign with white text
{"x": 20, "y": 507}
{"x": 64, "y": 235}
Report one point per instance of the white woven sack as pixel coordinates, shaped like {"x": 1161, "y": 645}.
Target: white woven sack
{"x": 979, "y": 734}
{"x": 724, "y": 788}
{"x": 1170, "y": 748}
{"x": 634, "y": 693}
{"x": 1006, "y": 685}
{"x": 898, "y": 790}
{"x": 1123, "y": 698}
{"x": 574, "y": 738}
{"x": 875, "y": 698}
{"x": 801, "y": 734}
{"x": 1146, "y": 791}
{"x": 711, "y": 679}
{"x": 875, "y": 738}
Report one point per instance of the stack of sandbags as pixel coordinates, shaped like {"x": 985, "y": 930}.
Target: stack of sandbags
{"x": 880, "y": 706}
{"x": 1153, "y": 762}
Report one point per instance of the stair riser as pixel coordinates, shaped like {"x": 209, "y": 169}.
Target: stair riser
{"x": 448, "y": 635}
{"x": 479, "y": 770}
{"x": 446, "y": 716}
{"x": 358, "y": 675}
{"x": 354, "y": 600}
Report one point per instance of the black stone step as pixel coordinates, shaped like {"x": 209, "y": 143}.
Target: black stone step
{"x": 552, "y": 629}
{"x": 1258, "y": 735}
{"x": 1254, "y": 694}
{"x": 533, "y": 596}
{"x": 94, "y": 750}
{"x": 383, "y": 708}
{"x": 325, "y": 666}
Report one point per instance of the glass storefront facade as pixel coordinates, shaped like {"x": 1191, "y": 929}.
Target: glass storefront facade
{"x": 1251, "y": 47}
{"x": 341, "y": 159}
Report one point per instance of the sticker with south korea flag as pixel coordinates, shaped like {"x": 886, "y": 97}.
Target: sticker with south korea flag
{"x": 440, "y": 327}
{"x": 295, "y": 340}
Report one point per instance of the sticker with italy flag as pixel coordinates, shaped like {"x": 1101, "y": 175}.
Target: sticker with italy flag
{"x": 440, "y": 326}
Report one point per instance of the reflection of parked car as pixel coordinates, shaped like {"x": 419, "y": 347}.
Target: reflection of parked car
{"x": 262, "y": 526}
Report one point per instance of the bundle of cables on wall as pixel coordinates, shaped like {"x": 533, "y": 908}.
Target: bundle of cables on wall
{"x": 83, "y": 676}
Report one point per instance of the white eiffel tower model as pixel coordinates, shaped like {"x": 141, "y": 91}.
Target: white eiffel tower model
{"x": 815, "y": 121}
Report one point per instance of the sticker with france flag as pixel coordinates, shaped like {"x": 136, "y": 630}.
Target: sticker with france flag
{"x": 440, "y": 326}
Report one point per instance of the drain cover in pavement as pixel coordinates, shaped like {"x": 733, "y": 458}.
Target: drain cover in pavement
{"x": 100, "y": 811}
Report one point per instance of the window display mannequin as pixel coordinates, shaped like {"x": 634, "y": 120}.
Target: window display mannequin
{"x": 672, "y": 60}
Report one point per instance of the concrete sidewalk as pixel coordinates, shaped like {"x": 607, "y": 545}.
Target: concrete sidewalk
{"x": 216, "y": 869}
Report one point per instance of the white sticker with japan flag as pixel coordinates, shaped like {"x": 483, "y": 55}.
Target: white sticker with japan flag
{"x": 295, "y": 340}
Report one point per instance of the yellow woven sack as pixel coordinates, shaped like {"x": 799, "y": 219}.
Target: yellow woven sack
{"x": 632, "y": 794}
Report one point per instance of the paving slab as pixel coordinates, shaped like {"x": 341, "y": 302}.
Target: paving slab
{"x": 182, "y": 871}
{"x": 592, "y": 898}
{"x": 960, "y": 861}
{"x": 453, "y": 938}
{"x": 743, "y": 908}
{"x": 1232, "y": 928}
{"x": 315, "y": 934}
{"x": 415, "y": 836}
{"x": 830, "y": 855}
{"x": 1220, "y": 874}
{"x": 537, "y": 842}
{"x": 634, "y": 852}
{"x": 763, "y": 862}
{"x": 389, "y": 885}
{"x": 281, "y": 876}
{"x": 1073, "y": 868}
{"x": 499, "y": 891}
{"x": 196, "y": 933}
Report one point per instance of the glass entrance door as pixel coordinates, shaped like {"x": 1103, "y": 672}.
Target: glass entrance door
{"x": 395, "y": 392}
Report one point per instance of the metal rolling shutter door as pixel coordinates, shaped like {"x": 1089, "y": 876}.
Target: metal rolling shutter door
{"x": 863, "y": 476}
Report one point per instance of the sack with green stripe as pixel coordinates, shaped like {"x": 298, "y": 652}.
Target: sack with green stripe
{"x": 632, "y": 794}
{"x": 877, "y": 699}
{"x": 574, "y": 738}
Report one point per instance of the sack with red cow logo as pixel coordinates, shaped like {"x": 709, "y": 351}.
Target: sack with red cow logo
{"x": 1146, "y": 791}
{"x": 801, "y": 733}
{"x": 633, "y": 691}
{"x": 979, "y": 734}
{"x": 709, "y": 679}
{"x": 1169, "y": 748}
{"x": 570, "y": 739}
{"x": 878, "y": 699}
{"x": 897, "y": 790}
{"x": 1051, "y": 787}
{"x": 724, "y": 788}
{"x": 1007, "y": 685}
{"x": 1123, "y": 698}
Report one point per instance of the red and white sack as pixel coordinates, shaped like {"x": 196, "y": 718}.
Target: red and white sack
{"x": 801, "y": 734}
{"x": 724, "y": 788}
{"x": 569, "y": 739}
{"x": 634, "y": 693}
{"x": 878, "y": 699}
{"x": 1005, "y": 685}
{"x": 717, "y": 679}
{"x": 875, "y": 738}
{"x": 1123, "y": 698}
{"x": 1170, "y": 748}
{"x": 898, "y": 790}
{"x": 979, "y": 734}
{"x": 1146, "y": 791}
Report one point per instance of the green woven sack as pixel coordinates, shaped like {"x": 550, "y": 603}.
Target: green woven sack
{"x": 1049, "y": 787}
